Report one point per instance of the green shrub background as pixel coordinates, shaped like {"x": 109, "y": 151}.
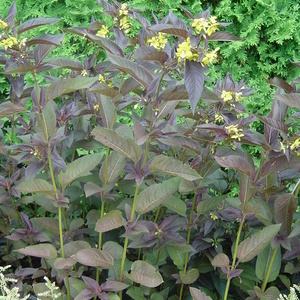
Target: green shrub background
{"x": 269, "y": 32}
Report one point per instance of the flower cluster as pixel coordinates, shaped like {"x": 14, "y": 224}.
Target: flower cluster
{"x": 234, "y": 132}
{"x": 9, "y": 42}
{"x": 218, "y": 118}
{"x": 124, "y": 23}
{"x": 52, "y": 290}
{"x": 210, "y": 57}
{"x": 208, "y": 26}
{"x": 229, "y": 96}
{"x": 103, "y": 80}
{"x": 3, "y": 24}
{"x": 184, "y": 51}
{"x": 103, "y": 31}
{"x": 159, "y": 41}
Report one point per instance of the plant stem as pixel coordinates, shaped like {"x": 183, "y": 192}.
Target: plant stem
{"x": 265, "y": 282}
{"x": 234, "y": 255}
{"x": 188, "y": 236}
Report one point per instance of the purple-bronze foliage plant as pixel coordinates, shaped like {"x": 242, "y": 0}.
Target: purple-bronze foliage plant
{"x": 114, "y": 211}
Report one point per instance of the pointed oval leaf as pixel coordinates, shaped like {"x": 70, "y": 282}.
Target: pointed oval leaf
{"x": 155, "y": 194}
{"x": 175, "y": 204}
{"x": 109, "y": 221}
{"x": 95, "y": 258}
{"x": 150, "y": 53}
{"x": 61, "y": 62}
{"x": 291, "y": 100}
{"x": 169, "y": 29}
{"x": 115, "y": 167}
{"x": 107, "y": 111}
{"x": 253, "y": 245}
{"x": 66, "y": 86}
{"x": 209, "y": 204}
{"x": 114, "y": 249}
{"x": 220, "y": 260}
{"x": 64, "y": 263}
{"x": 173, "y": 167}
{"x": 284, "y": 208}
{"x": 275, "y": 124}
{"x": 145, "y": 274}
{"x": 223, "y": 36}
{"x": 194, "y": 81}
{"x": 235, "y": 162}
{"x": 36, "y": 186}
{"x": 33, "y": 23}
{"x": 125, "y": 146}
{"x": 139, "y": 73}
{"x": 190, "y": 276}
{"x": 279, "y": 82}
{"x": 263, "y": 263}
{"x": 105, "y": 90}
{"x": 75, "y": 246}
{"x": 198, "y": 295}
{"x": 8, "y": 108}
{"x": 46, "y": 39}
{"x": 47, "y": 251}
{"x": 78, "y": 168}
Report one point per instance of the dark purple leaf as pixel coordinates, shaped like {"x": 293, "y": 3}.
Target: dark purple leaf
{"x": 150, "y": 53}
{"x": 113, "y": 286}
{"x": 169, "y": 29}
{"x": 284, "y": 208}
{"x": 47, "y": 251}
{"x": 46, "y": 39}
{"x": 194, "y": 81}
{"x": 176, "y": 21}
{"x": 33, "y": 23}
{"x": 8, "y": 109}
{"x": 273, "y": 123}
{"x": 279, "y": 82}
{"x": 11, "y": 14}
{"x": 59, "y": 62}
{"x": 40, "y": 52}
{"x": 291, "y": 100}
{"x": 139, "y": 73}
{"x": 223, "y": 36}
{"x": 92, "y": 284}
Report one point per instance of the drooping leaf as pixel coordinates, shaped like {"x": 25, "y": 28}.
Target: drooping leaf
{"x": 40, "y": 52}
{"x": 47, "y": 251}
{"x": 223, "y": 36}
{"x": 169, "y": 29}
{"x": 246, "y": 190}
{"x": 253, "y": 245}
{"x": 220, "y": 260}
{"x": 279, "y": 82}
{"x": 275, "y": 124}
{"x": 33, "y": 23}
{"x": 95, "y": 258}
{"x": 46, "y": 39}
{"x": 173, "y": 167}
{"x": 8, "y": 109}
{"x": 115, "y": 167}
{"x": 64, "y": 263}
{"x": 209, "y": 204}
{"x": 284, "y": 208}
{"x": 107, "y": 111}
{"x": 175, "y": 204}
{"x": 198, "y": 295}
{"x": 263, "y": 262}
{"x": 105, "y": 90}
{"x": 72, "y": 248}
{"x": 125, "y": 146}
{"x": 194, "y": 81}
{"x": 139, "y": 73}
{"x": 291, "y": 100}
{"x": 190, "y": 276}
{"x": 145, "y": 274}
{"x": 36, "y": 186}
{"x": 49, "y": 117}
{"x": 79, "y": 168}
{"x": 150, "y": 53}
{"x": 61, "y": 62}
{"x": 155, "y": 194}
{"x": 66, "y": 86}
{"x": 235, "y": 162}
{"x": 109, "y": 221}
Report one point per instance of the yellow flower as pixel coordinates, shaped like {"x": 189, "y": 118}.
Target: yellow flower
{"x": 83, "y": 73}
{"x": 184, "y": 51}
{"x": 238, "y": 96}
{"x": 234, "y": 132}
{"x": 9, "y": 42}
{"x": 103, "y": 32}
{"x": 3, "y": 24}
{"x": 282, "y": 147}
{"x": 124, "y": 25}
{"x": 226, "y": 96}
{"x": 295, "y": 145}
{"x": 213, "y": 216}
{"x": 199, "y": 25}
{"x": 210, "y": 57}
{"x": 23, "y": 42}
{"x": 219, "y": 118}
{"x": 110, "y": 84}
{"x": 213, "y": 25}
{"x": 96, "y": 107}
{"x": 101, "y": 78}
{"x": 123, "y": 11}
{"x": 158, "y": 42}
